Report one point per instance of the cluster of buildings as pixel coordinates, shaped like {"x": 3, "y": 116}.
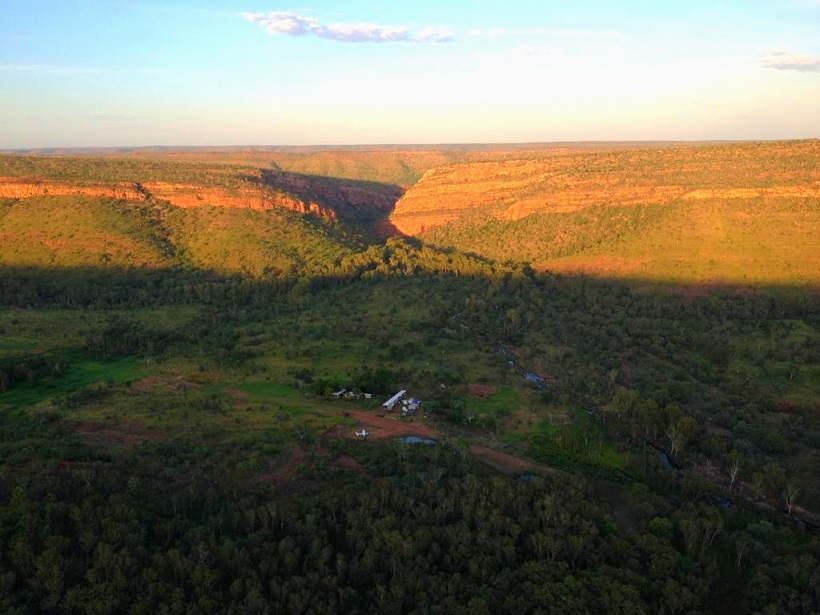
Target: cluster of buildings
{"x": 408, "y": 405}
{"x": 349, "y": 394}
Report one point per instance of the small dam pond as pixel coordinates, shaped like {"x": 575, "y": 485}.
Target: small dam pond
{"x": 417, "y": 440}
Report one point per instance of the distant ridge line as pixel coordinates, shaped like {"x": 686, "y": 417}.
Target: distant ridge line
{"x": 477, "y": 147}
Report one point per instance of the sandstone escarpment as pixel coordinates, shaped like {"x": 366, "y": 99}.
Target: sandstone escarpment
{"x": 511, "y": 190}
{"x": 18, "y": 188}
{"x": 255, "y": 197}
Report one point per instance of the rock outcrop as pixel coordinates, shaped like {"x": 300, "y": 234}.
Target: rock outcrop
{"x": 17, "y": 188}
{"x": 259, "y": 197}
{"x": 510, "y": 190}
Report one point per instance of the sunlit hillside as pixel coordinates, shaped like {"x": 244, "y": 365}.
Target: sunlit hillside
{"x": 741, "y": 213}
{"x": 60, "y": 231}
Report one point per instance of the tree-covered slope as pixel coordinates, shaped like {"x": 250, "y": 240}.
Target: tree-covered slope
{"x": 83, "y": 231}
{"x": 275, "y": 243}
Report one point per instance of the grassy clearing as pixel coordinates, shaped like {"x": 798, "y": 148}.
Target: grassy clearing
{"x": 269, "y": 390}
{"x": 502, "y": 403}
{"x": 80, "y": 375}
{"x": 580, "y": 445}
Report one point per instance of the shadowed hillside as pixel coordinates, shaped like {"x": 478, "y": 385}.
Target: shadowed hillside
{"x": 356, "y": 202}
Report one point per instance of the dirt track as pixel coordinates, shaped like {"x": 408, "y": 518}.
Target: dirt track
{"x": 381, "y": 426}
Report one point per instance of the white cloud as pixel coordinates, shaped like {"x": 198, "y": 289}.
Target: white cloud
{"x": 433, "y": 34}
{"x": 282, "y": 23}
{"x": 362, "y": 33}
{"x": 294, "y": 24}
{"x": 784, "y": 59}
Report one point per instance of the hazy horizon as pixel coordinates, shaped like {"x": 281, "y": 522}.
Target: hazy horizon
{"x": 214, "y": 73}
{"x": 489, "y": 146}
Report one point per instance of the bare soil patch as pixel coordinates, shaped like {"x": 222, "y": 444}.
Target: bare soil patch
{"x": 482, "y": 390}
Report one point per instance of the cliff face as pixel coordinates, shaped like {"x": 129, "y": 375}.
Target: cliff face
{"x": 511, "y": 190}
{"x": 350, "y": 200}
{"x": 186, "y": 196}
{"x": 259, "y": 198}
{"x": 16, "y": 188}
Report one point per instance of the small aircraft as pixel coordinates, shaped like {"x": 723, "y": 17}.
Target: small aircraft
{"x": 362, "y": 433}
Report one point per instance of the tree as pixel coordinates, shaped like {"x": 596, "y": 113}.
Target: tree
{"x": 624, "y": 401}
{"x": 758, "y": 484}
{"x": 742, "y": 543}
{"x": 790, "y": 494}
{"x": 733, "y": 467}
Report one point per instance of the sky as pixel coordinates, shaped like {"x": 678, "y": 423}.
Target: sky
{"x": 84, "y": 73}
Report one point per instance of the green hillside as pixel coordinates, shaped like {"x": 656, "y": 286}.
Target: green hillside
{"x": 78, "y": 231}
{"x": 81, "y": 231}
{"x": 276, "y": 243}
{"x": 752, "y": 242}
